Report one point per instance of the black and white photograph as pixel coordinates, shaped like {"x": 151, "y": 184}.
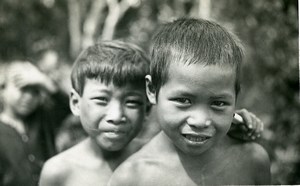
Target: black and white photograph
{"x": 149, "y": 92}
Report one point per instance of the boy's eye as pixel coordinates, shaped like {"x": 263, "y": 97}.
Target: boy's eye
{"x": 101, "y": 100}
{"x": 133, "y": 103}
{"x": 182, "y": 101}
{"x": 219, "y": 105}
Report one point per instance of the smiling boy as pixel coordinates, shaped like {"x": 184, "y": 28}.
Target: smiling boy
{"x": 194, "y": 82}
{"x": 109, "y": 97}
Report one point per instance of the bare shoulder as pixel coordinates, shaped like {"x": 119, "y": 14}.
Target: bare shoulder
{"x": 135, "y": 171}
{"x": 141, "y": 168}
{"x": 57, "y": 169}
{"x": 54, "y": 171}
{"x": 261, "y": 170}
{"x": 256, "y": 159}
{"x": 256, "y": 153}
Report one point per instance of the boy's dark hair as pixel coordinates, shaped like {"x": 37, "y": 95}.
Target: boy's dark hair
{"x": 114, "y": 62}
{"x": 190, "y": 41}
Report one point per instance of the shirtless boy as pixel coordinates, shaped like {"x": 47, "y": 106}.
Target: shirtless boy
{"x": 109, "y": 96}
{"x": 194, "y": 82}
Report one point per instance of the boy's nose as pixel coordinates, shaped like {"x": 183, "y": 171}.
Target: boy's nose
{"x": 115, "y": 114}
{"x": 199, "y": 119}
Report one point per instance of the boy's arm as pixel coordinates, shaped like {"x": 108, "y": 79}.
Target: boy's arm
{"x": 261, "y": 170}
{"x": 246, "y": 126}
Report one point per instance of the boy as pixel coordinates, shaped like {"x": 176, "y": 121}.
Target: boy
{"x": 26, "y": 130}
{"x": 194, "y": 83}
{"x": 109, "y": 96}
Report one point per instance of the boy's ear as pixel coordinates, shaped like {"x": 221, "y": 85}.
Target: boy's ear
{"x": 75, "y": 102}
{"x": 151, "y": 93}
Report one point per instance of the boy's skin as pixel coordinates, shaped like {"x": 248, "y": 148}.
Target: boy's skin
{"x": 89, "y": 162}
{"x": 195, "y": 107}
{"x": 112, "y": 115}
{"x": 102, "y": 109}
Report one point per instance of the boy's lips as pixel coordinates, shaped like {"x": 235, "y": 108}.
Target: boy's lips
{"x": 195, "y": 139}
{"x": 116, "y": 129}
{"x": 116, "y": 133}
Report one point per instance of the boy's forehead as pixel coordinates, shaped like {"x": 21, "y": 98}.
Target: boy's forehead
{"x": 98, "y": 84}
{"x": 200, "y": 74}
{"x": 181, "y": 66}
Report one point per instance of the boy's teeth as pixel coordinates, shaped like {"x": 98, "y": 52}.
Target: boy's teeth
{"x": 195, "y": 138}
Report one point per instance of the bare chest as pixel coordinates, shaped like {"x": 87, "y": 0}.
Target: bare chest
{"x": 88, "y": 176}
{"x": 221, "y": 173}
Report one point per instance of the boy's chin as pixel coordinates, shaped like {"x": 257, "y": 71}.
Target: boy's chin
{"x": 195, "y": 149}
{"x": 111, "y": 146}
{"x": 114, "y": 148}
{"x": 195, "y": 152}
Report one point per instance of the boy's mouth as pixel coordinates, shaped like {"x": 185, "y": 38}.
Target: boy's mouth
{"x": 115, "y": 134}
{"x": 196, "y": 138}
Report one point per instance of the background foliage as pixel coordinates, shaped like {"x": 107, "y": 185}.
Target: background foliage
{"x": 51, "y": 33}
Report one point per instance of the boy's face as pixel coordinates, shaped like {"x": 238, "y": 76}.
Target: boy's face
{"x": 21, "y": 101}
{"x": 195, "y": 106}
{"x": 111, "y": 115}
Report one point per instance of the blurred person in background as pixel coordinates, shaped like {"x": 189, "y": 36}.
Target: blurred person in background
{"x": 27, "y": 123}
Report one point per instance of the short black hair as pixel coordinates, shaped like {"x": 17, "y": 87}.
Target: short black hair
{"x": 114, "y": 62}
{"x": 190, "y": 41}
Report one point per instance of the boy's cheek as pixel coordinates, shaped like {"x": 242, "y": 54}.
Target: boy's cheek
{"x": 171, "y": 119}
{"x": 224, "y": 122}
{"x": 137, "y": 116}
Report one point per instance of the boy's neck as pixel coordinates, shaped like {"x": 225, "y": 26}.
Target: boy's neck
{"x": 113, "y": 158}
{"x": 204, "y": 158}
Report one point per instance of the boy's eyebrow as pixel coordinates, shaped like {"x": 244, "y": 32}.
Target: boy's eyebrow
{"x": 182, "y": 92}
{"x": 134, "y": 93}
{"x": 223, "y": 95}
{"x": 102, "y": 91}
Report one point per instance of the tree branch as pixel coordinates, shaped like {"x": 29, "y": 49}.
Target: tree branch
{"x": 91, "y": 23}
{"x": 115, "y": 13}
{"x": 74, "y": 27}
